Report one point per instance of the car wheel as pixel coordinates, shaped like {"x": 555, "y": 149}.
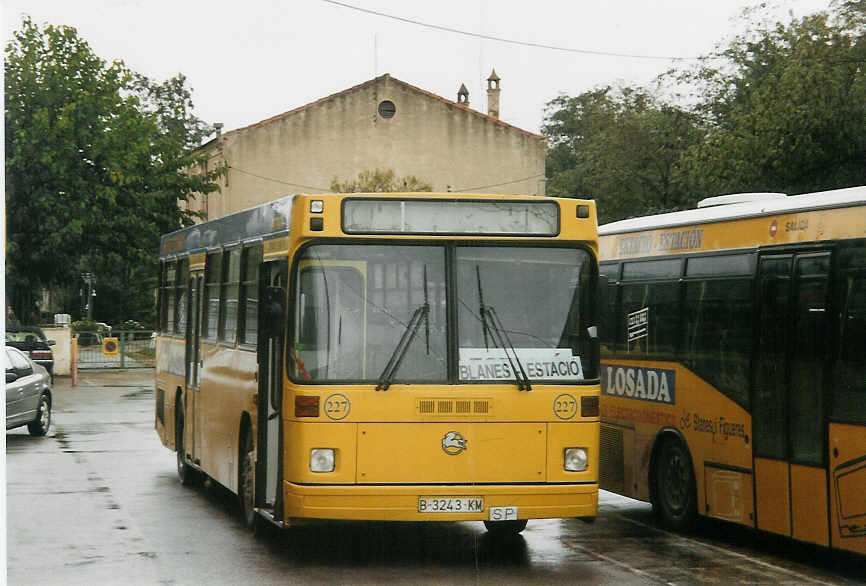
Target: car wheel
{"x": 674, "y": 497}
{"x": 40, "y": 425}
{"x": 505, "y": 528}
{"x": 246, "y": 482}
{"x": 185, "y": 472}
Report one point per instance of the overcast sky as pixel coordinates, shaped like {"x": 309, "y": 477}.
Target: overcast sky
{"x": 250, "y": 60}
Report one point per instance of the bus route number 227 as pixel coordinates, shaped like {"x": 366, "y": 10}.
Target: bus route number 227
{"x": 337, "y": 406}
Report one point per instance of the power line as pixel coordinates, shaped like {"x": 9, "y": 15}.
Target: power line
{"x": 537, "y": 175}
{"x": 322, "y": 189}
{"x": 509, "y": 41}
{"x": 232, "y": 167}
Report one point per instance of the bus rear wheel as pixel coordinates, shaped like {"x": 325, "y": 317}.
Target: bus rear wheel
{"x": 675, "y": 496}
{"x": 246, "y": 482}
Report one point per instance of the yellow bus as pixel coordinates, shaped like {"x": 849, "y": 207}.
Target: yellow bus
{"x": 734, "y": 363}
{"x": 400, "y": 357}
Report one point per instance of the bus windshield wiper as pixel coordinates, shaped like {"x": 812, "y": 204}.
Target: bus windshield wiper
{"x": 399, "y": 353}
{"x": 419, "y": 315}
{"x": 491, "y": 324}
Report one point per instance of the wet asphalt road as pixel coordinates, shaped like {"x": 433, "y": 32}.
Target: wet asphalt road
{"x": 97, "y": 501}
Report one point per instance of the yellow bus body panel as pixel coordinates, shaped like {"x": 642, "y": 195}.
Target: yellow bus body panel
{"x": 809, "y": 498}
{"x": 300, "y": 438}
{"x": 169, "y": 381}
{"x": 807, "y": 226}
{"x": 716, "y": 431}
{"x": 848, "y": 487}
{"x": 400, "y": 502}
{"x": 773, "y": 499}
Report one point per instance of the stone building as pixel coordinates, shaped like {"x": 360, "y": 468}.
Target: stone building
{"x": 383, "y": 123}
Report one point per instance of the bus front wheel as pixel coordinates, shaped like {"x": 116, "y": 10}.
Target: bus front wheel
{"x": 505, "y": 528}
{"x": 246, "y": 483}
{"x": 675, "y": 496}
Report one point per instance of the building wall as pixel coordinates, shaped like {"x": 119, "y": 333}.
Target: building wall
{"x": 433, "y": 139}
{"x": 62, "y": 348}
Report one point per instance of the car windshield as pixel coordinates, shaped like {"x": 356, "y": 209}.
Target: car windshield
{"x": 374, "y": 313}
{"x": 24, "y": 336}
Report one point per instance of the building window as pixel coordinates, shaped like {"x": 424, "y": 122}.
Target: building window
{"x": 387, "y": 109}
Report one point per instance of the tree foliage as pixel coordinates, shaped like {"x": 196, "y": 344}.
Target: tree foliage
{"x": 782, "y": 108}
{"x": 95, "y": 163}
{"x": 380, "y": 181}
{"x": 619, "y": 147}
{"x": 786, "y": 110}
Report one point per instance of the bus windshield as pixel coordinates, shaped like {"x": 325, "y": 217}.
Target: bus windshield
{"x": 368, "y": 313}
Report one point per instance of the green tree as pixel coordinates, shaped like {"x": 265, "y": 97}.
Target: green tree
{"x": 621, "y": 148}
{"x": 95, "y": 164}
{"x": 785, "y": 107}
{"x": 380, "y": 181}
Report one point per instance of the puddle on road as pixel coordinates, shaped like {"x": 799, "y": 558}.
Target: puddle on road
{"x": 139, "y": 394}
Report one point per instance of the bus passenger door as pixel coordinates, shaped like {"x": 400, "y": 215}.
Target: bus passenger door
{"x": 788, "y": 406}
{"x": 769, "y": 413}
{"x": 272, "y": 325}
{"x": 193, "y": 364}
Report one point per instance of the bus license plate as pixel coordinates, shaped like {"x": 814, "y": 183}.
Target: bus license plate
{"x": 503, "y": 514}
{"x": 463, "y": 504}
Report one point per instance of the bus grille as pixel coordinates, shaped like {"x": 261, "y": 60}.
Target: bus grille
{"x": 611, "y": 464}
{"x": 454, "y": 407}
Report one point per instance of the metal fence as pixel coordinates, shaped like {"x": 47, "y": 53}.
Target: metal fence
{"x": 124, "y": 349}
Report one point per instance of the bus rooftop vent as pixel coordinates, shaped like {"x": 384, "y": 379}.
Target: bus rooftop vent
{"x": 721, "y": 200}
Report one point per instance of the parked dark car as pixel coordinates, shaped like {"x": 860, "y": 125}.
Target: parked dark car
{"x": 28, "y": 393}
{"x": 32, "y": 341}
{"x": 89, "y": 339}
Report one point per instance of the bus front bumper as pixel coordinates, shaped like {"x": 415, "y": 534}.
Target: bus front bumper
{"x": 402, "y": 502}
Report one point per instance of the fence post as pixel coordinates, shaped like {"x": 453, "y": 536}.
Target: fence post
{"x": 122, "y": 349}
{"x": 73, "y": 366}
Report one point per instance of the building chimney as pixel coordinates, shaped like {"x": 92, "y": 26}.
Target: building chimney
{"x": 493, "y": 95}
{"x": 218, "y": 126}
{"x": 463, "y": 95}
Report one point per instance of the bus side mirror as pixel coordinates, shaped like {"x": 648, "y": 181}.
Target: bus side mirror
{"x": 274, "y": 313}
{"x": 601, "y": 292}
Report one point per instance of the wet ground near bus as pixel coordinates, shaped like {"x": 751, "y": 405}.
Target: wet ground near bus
{"x": 97, "y": 501}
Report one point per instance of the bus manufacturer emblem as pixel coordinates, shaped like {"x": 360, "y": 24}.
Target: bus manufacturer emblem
{"x": 453, "y": 443}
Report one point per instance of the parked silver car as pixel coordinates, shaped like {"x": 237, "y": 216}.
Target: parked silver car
{"x": 28, "y": 393}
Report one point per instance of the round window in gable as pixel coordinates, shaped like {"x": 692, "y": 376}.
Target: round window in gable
{"x": 387, "y": 109}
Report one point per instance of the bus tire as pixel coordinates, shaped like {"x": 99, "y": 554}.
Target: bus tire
{"x": 185, "y": 473}
{"x": 246, "y": 480}
{"x": 505, "y": 528}
{"x": 674, "y": 495}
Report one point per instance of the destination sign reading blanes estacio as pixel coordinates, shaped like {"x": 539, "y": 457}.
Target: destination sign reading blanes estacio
{"x": 690, "y": 239}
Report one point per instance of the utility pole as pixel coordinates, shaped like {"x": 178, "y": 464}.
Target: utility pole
{"x": 89, "y": 293}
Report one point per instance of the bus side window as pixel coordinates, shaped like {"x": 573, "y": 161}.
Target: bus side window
{"x": 717, "y": 333}
{"x": 849, "y": 401}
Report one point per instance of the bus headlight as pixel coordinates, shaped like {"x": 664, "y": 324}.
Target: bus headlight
{"x": 322, "y": 460}
{"x": 575, "y": 459}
